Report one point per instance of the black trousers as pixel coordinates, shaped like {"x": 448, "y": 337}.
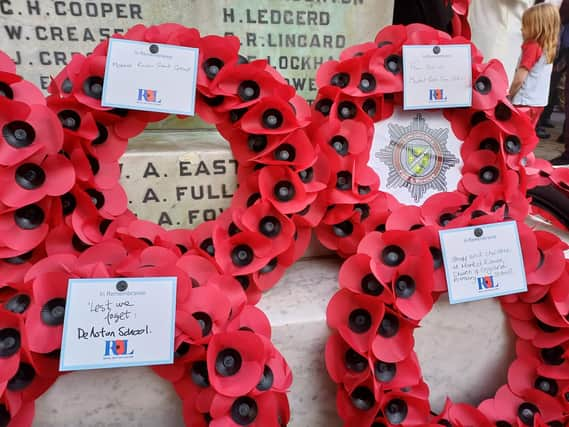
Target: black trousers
{"x": 435, "y": 13}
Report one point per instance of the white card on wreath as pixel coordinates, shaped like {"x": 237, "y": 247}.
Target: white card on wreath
{"x": 437, "y": 76}
{"x": 150, "y": 77}
{"x": 118, "y": 322}
{"x": 483, "y": 261}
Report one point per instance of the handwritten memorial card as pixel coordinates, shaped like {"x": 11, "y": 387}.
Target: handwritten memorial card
{"x": 150, "y": 77}
{"x": 118, "y": 322}
{"x": 437, "y": 76}
{"x": 483, "y": 261}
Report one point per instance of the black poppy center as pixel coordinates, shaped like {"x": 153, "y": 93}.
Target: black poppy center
{"x": 526, "y": 413}
{"x": 69, "y": 119}
{"x": 371, "y": 286}
{"x": 445, "y": 218}
{"x": 384, "y": 371}
{"x": 271, "y": 265}
{"x": 340, "y": 145}
{"x": 483, "y": 85}
{"x": 344, "y": 180}
{"x": 285, "y": 153}
{"x": 228, "y": 362}
{"x": 553, "y": 356}
{"x": 204, "y": 321}
{"x": 267, "y": 379}
{"x": 257, "y": 143}
{"x": 6, "y": 90}
{"x": 244, "y": 411}
{"x": 30, "y": 176}
{"x": 346, "y": 110}
{"x": 340, "y": 79}
{"x": 392, "y": 255}
{"x": 207, "y": 246}
{"x": 490, "y": 144}
{"x": 272, "y": 119}
{"x": 405, "y": 287}
{"x": 242, "y": 255}
{"x": 393, "y": 64}
{"x": 18, "y": 134}
{"x": 284, "y": 191}
{"x": 437, "y": 257}
{"x": 512, "y": 144}
{"x": 29, "y": 217}
{"x": 53, "y": 311}
{"x": 93, "y": 87}
{"x": 20, "y": 259}
{"x": 23, "y": 377}
{"x": 367, "y": 83}
{"x": 359, "y": 321}
{"x": 547, "y": 385}
{"x": 18, "y": 303}
{"x": 343, "y": 229}
{"x": 324, "y": 106}
{"x": 67, "y": 86}
{"x": 270, "y": 226}
{"x": 488, "y": 175}
{"x": 102, "y": 136}
{"x": 199, "y": 374}
{"x": 389, "y": 326}
{"x": 97, "y": 197}
{"x": 396, "y": 411}
{"x": 370, "y": 107}
{"x": 9, "y": 342}
{"x": 248, "y": 90}
{"x": 212, "y": 66}
{"x": 306, "y": 175}
{"x": 362, "y": 398}
{"x": 502, "y": 112}
{"x": 355, "y": 361}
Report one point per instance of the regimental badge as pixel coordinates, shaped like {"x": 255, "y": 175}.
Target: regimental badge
{"x": 417, "y": 157}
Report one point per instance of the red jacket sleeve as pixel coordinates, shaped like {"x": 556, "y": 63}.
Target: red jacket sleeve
{"x": 531, "y": 52}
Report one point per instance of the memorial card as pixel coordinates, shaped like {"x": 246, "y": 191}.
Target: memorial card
{"x": 118, "y": 322}
{"x": 483, "y": 261}
{"x": 437, "y": 76}
{"x": 150, "y": 77}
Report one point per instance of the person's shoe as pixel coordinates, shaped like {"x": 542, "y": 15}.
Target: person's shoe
{"x": 546, "y": 123}
{"x": 542, "y": 133}
{"x": 560, "y": 160}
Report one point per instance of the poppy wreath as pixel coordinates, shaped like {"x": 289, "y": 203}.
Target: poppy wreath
{"x": 63, "y": 214}
{"x": 394, "y": 274}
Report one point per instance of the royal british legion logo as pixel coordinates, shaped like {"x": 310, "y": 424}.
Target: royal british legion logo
{"x": 486, "y": 282}
{"x": 437, "y": 95}
{"x": 149, "y": 96}
{"x": 117, "y": 348}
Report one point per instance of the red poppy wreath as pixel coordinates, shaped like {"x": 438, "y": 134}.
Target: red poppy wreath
{"x": 397, "y": 178}
{"x": 63, "y": 214}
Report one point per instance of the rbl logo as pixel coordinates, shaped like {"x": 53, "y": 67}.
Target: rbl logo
{"x": 117, "y": 348}
{"x": 486, "y": 282}
{"x": 437, "y": 95}
{"x": 148, "y": 95}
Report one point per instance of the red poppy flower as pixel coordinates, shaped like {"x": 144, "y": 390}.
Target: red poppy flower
{"x": 215, "y": 53}
{"x": 235, "y": 362}
{"x": 34, "y": 178}
{"x": 270, "y": 116}
{"x": 204, "y": 313}
{"x": 356, "y": 275}
{"x": 243, "y": 253}
{"x": 356, "y": 317}
{"x": 285, "y": 189}
{"x": 357, "y": 50}
{"x": 13, "y": 337}
{"x": 392, "y": 250}
{"x": 412, "y": 287}
{"x": 107, "y": 146}
{"x": 27, "y": 129}
{"x": 359, "y": 406}
{"x": 76, "y": 119}
{"x": 489, "y": 83}
{"x": 101, "y": 175}
{"x": 393, "y": 375}
{"x": 24, "y": 228}
{"x": 484, "y": 171}
{"x": 462, "y": 415}
{"x": 344, "y": 365}
{"x": 394, "y": 340}
{"x": 266, "y": 409}
{"x": 341, "y": 229}
{"x": 355, "y": 181}
{"x": 87, "y": 85}
{"x": 551, "y": 262}
{"x": 344, "y": 75}
{"x": 399, "y": 407}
